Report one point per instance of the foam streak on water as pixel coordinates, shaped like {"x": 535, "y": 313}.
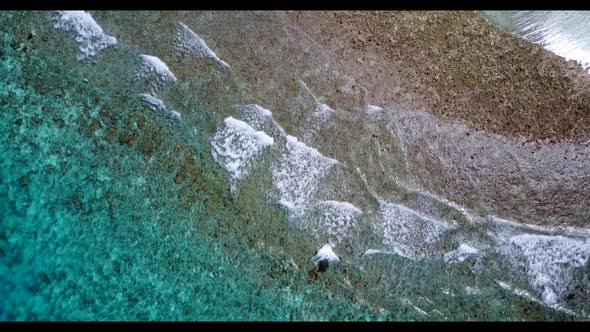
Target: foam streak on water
{"x": 89, "y": 35}
{"x": 237, "y": 144}
{"x": 261, "y": 119}
{"x": 409, "y": 234}
{"x": 331, "y": 218}
{"x": 298, "y": 173}
{"x": 460, "y": 254}
{"x": 155, "y": 72}
{"x": 549, "y": 261}
{"x": 189, "y": 44}
{"x": 158, "y": 106}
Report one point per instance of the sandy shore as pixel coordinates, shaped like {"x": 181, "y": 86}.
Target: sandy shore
{"x": 458, "y": 65}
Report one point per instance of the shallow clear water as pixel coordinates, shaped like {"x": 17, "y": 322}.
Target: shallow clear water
{"x": 564, "y": 33}
{"x": 111, "y": 211}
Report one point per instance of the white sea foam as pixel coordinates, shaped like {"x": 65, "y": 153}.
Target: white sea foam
{"x": 298, "y": 173}
{"x": 331, "y": 218}
{"x": 524, "y": 294}
{"x": 323, "y": 111}
{"x": 316, "y": 114}
{"x": 157, "y": 105}
{"x": 175, "y": 115}
{"x": 157, "y": 66}
{"x": 255, "y": 115}
{"x": 317, "y": 119}
{"x": 447, "y": 291}
{"x": 90, "y": 37}
{"x": 155, "y": 71}
{"x": 237, "y": 144}
{"x": 549, "y": 261}
{"x": 372, "y": 109}
{"x": 460, "y": 254}
{"x": 408, "y": 233}
{"x": 369, "y": 252}
{"x": 511, "y": 226}
{"x": 519, "y": 292}
{"x": 472, "y": 290}
{"x": 418, "y": 309}
{"x": 189, "y": 44}
{"x": 325, "y": 253}
{"x": 260, "y": 119}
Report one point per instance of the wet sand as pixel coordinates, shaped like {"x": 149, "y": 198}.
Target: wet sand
{"x": 458, "y": 65}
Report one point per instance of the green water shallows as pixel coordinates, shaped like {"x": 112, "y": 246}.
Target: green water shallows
{"x": 111, "y": 212}
{"x": 92, "y": 229}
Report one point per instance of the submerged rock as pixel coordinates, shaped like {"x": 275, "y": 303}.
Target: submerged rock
{"x": 324, "y": 256}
